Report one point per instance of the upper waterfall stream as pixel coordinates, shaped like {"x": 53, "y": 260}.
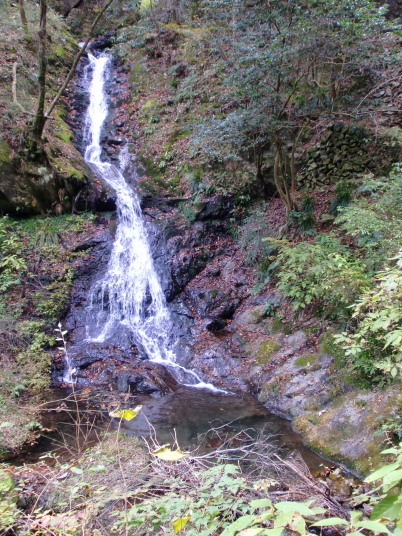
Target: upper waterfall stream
{"x": 129, "y": 295}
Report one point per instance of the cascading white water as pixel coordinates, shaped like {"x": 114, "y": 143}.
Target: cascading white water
{"x": 129, "y": 294}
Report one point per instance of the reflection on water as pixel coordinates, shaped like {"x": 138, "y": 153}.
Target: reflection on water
{"x": 190, "y": 413}
{"x": 187, "y": 414}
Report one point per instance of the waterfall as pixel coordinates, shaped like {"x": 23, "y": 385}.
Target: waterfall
{"x": 129, "y": 295}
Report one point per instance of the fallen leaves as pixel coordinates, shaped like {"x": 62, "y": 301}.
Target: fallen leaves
{"x": 126, "y": 414}
{"x": 167, "y": 454}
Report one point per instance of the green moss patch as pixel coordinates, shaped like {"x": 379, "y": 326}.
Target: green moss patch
{"x": 61, "y": 130}
{"x": 5, "y": 152}
{"x": 151, "y": 108}
{"x": 306, "y": 360}
{"x": 348, "y": 432}
{"x": 266, "y": 350}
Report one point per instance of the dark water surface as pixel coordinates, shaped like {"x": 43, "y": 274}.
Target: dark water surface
{"x": 187, "y": 414}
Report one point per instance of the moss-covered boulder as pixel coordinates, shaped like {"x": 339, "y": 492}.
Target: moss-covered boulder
{"x": 30, "y": 187}
{"x": 348, "y": 431}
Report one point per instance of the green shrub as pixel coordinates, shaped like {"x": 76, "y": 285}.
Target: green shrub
{"x": 250, "y": 236}
{"x": 303, "y": 219}
{"x": 323, "y": 275}
{"x": 374, "y": 345}
{"x": 375, "y": 218}
{"x": 188, "y": 211}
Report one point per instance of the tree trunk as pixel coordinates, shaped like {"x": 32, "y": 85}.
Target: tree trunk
{"x": 39, "y": 119}
{"x": 23, "y": 15}
{"x": 285, "y": 178}
{"x": 36, "y": 131}
{"x": 76, "y": 60}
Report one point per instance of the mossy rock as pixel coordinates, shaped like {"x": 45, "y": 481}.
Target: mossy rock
{"x": 305, "y": 360}
{"x": 151, "y": 108}
{"x": 273, "y": 388}
{"x": 61, "y": 130}
{"x": 266, "y": 350}
{"x": 278, "y": 326}
{"x": 5, "y": 152}
{"x": 348, "y": 430}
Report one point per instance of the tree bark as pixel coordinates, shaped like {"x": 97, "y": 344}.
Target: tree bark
{"x": 39, "y": 119}
{"x": 36, "y": 131}
{"x": 76, "y": 60}
{"x": 23, "y": 15}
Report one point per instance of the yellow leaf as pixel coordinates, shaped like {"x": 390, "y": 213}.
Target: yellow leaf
{"x": 179, "y": 524}
{"x": 169, "y": 455}
{"x": 127, "y": 414}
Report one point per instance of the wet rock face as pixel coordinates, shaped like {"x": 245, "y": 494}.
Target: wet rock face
{"x": 114, "y": 369}
{"x": 219, "y": 327}
{"x": 91, "y": 268}
{"x": 345, "y": 431}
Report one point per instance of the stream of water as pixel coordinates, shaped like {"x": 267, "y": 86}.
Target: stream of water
{"x": 129, "y": 295}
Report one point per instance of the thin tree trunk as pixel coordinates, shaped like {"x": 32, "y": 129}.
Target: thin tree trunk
{"x": 39, "y": 119}
{"x": 278, "y": 182}
{"x": 23, "y": 15}
{"x": 76, "y": 60}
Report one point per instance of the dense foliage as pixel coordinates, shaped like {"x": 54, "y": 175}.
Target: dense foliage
{"x": 375, "y": 342}
{"x": 374, "y": 217}
{"x": 323, "y": 274}
{"x": 292, "y": 66}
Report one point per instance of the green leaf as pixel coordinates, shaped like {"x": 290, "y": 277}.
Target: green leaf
{"x": 169, "y": 455}
{"x": 76, "y": 470}
{"x": 260, "y": 503}
{"x": 298, "y": 524}
{"x": 272, "y": 532}
{"x": 126, "y": 414}
{"x": 293, "y": 506}
{"x": 391, "y": 479}
{"x": 392, "y": 450}
{"x": 330, "y": 522}
{"x": 375, "y": 526}
{"x": 263, "y": 517}
{"x": 179, "y": 524}
{"x": 250, "y": 532}
{"x": 380, "y": 473}
{"x": 238, "y": 525}
{"x": 387, "y": 508}
{"x": 318, "y": 510}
